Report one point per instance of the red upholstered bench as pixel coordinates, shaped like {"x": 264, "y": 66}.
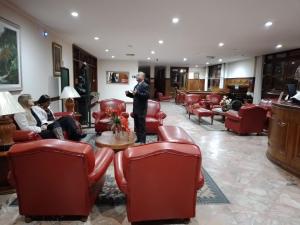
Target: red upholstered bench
{"x": 202, "y": 112}
{"x": 174, "y": 134}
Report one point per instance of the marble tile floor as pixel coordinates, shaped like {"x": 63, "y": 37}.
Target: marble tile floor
{"x": 260, "y": 192}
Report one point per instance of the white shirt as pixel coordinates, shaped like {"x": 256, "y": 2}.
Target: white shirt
{"x": 27, "y": 122}
{"x": 41, "y": 113}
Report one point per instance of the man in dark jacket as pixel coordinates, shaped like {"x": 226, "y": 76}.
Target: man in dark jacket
{"x": 140, "y": 96}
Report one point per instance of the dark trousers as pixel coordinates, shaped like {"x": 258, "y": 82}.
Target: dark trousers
{"x": 140, "y": 127}
{"x": 67, "y": 124}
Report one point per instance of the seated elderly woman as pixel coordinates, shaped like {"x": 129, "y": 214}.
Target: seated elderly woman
{"x": 33, "y": 120}
{"x": 46, "y": 116}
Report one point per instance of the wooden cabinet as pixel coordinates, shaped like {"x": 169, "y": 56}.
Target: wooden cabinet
{"x": 284, "y": 136}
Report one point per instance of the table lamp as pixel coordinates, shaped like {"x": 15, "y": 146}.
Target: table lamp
{"x": 8, "y": 106}
{"x": 69, "y": 93}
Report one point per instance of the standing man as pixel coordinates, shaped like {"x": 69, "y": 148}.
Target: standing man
{"x": 140, "y": 96}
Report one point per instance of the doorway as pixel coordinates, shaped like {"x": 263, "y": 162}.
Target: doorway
{"x": 160, "y": 79}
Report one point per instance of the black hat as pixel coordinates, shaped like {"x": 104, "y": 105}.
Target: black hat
{"x": 43, "y": 99}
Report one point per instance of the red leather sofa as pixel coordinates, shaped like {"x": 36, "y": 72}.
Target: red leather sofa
{"x": 160, "y": 180}
{"x": 249, "y": 119}
{"x": 102, "y": 119}
{"x": 154, "y": 117}
{"x": 57, "y": 178}
{"x": 162, "y": 97}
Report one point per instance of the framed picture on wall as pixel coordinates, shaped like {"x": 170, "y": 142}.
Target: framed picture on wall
{"x": 10, "y": 56}
{"x": 117, "y": 77}
{"x": 56, "y": 58}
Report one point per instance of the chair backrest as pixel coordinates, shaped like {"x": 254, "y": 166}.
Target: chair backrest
{"x": 153, "y": 108}
{"x": 113, "y": 104}
{"x": 214, "y": 98}
{"x": 159, "y": 94}
{"x": 253, "y": 115}
{"x": 162, "y": 176}
{"x": 51, "y": 175}
{"x": 191, "y": 98}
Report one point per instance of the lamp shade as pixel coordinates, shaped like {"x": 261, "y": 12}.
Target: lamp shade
{"x": 9, "y": 105}
{"x": 69, "y": 92}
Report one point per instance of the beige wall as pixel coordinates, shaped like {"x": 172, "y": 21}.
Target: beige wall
{"x": 36, "y": 55}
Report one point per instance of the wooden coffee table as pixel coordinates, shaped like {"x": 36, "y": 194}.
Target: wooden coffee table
{"x": 116, "y": 142}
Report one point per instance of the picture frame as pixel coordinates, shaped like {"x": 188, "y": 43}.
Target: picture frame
{"x": 117, "y": 77}
{"x": 10, "y": 56}
{"x": 56, "y": 59}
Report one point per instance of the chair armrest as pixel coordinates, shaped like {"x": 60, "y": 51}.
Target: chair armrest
{"x": 125, "y": 114}
{"x": 98, "y": 115}
{"x": 200, "y": 181}
{"x": 216, "y": 106}
{"x": 103, "y": 158}
{"x": 161, "y": 115}
{"x": 232, "y": 116}
{"x": 25, "y": 136}
{"x": 119, "y": 173}
{"x": 61, "y": 114}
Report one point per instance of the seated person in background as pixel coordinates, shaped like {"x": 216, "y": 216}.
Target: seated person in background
{"x": 46, "y": 116}
{"x": 30, "y": 122}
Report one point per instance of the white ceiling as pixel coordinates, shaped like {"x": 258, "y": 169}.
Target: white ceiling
{"x": 203, "y": 24}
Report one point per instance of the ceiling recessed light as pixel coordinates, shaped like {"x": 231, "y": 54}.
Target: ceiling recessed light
{"x": 220, "y": 60}
{"x": 279, "y": 46}
{"x": 221, "y": 44}
{"x": 207, "y": 63}
{"x": 45, "y": 34}
{"x": 106, "y": 50}
{"x": 75, "y": 14}
{"x": 196, "y": 66}
{"x": 148, "y": 58}
{"x": 152, "y": 52}
{"x": 175, "y": 20}
{"x": 185, "y": 59}
{"x": 113, "y": 56}
{"x": 268, "y": 24}
{"x": 160, "y": 42}
{"x": 96, "y": 38}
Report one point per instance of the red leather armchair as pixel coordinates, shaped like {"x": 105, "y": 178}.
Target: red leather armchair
{"x": 162, "y": 97}
{"x": 155, "y": 186}
{"x": 180, "y": 96}
{"x": 154, "y": 117}
{"x": 211, "y": 101}
{"x": 57, "y": 178}
{"x": 102, "y": 119}
{"x": 190, "y": 99}
{"x": 249, "y": 119}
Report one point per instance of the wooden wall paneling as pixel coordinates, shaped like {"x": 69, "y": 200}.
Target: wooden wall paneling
{"x": 169, "y": 89}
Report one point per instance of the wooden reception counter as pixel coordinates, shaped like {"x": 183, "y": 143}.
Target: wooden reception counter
{"x": 284, "y": 136}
